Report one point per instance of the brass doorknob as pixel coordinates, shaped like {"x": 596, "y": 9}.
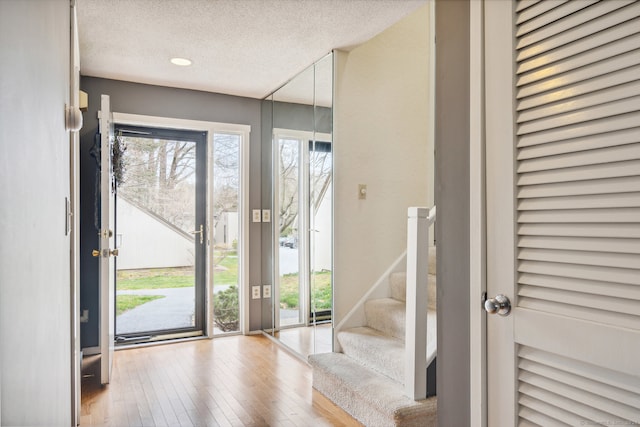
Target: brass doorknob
{"x": 95, "y": 253}
{"x": 114, "y": 252}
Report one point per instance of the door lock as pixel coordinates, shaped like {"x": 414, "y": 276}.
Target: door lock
{"x": 107, "y": 253}
{"x": 201, "y": 234}
{"x": 500, "y": 305}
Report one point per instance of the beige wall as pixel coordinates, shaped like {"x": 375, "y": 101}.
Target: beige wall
{"x": 382, "y": 139}
{"x": 35, "y": 293}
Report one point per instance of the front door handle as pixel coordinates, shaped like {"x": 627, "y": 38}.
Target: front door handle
{"x": 106, "y": 253}
{"x": 201, "y": 234}
{"x": 500, "y": 305}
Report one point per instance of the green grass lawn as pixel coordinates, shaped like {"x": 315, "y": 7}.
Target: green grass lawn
{"x": 321, "y": 290}
{"x": 159, "y": 278}
{"x": 128, "y": 302}
{"x": 180, "y": 277}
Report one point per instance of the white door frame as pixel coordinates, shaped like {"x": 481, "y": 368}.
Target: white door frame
{"x": 243, "y": 268}
{"x": 477, "y": 217}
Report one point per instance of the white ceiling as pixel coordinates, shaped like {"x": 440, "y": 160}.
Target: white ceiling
{"x": 238, "y": 47}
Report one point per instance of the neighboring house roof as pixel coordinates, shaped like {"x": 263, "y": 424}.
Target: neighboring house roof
{"x": 157, "y": 217}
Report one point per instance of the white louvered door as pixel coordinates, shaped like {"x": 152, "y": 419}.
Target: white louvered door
{"x": 562, "y": 127}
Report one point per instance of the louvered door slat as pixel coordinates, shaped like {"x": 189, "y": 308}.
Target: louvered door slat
{"x": 561, "y": 106}
{"x": 597, "y": 401}
{"x": 620, "y": 200}
{"x": 612, "y": 108}
{"x": 584, "y": 300}
{"x": 590, "y": 157}
{"x": 630, "y": 215}
{"x": 594, "y": 287}
{"x": 610, "y": 124}
{"x": 580, "y": 81}
{"x": 538, "y": 9}
{"x": 615, "y": 31}
{"x": 574, "y": 188}
{"x": 623, "y": 231}
{"x": 595, "y": 373}
{"x": 620, "y": 55}
{"x": 539, "y": 413}
{"x": 576, "y": 39}
{"x": 537, "y": 30}
{"x": 629, "y": 246}
{"x": 569, "y": 405}
{"x": 588, "y": 142}
{"x": 580, "y": 271}
{"x": 523, "y": 4}
{"x": 581, "y": 173}
{"x": 605, "y": 259}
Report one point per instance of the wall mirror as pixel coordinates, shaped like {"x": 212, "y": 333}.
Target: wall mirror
{"x": 299, "y": 264}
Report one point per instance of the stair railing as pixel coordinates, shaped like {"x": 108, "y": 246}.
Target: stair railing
{"x": 415, "y": 378}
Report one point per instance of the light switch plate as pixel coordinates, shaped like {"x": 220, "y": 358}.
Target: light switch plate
{"x": 256, "y": 215}
{"x": 266, "y": 291}
{"x": 266, "y": 215}
{"x": 255, "y": 292}
{"x": 362, "y": 191}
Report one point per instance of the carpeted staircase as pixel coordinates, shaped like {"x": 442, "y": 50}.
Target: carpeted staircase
{"x": 366, "y": 379}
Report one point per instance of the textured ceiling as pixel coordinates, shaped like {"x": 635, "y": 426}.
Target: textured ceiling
{"x": 238, "y": 47}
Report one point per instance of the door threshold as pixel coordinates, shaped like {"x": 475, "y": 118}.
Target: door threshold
{"x": 161, "y": 341}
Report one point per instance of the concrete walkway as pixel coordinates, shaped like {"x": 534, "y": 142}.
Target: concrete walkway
{"x": 175, "y": 310}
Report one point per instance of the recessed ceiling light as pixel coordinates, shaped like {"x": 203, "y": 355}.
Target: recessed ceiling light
{"x": 183, "y": 62}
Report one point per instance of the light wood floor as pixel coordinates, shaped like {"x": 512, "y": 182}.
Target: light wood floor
{"x": 307, "y": 340}
{"x": 230, "y": 381}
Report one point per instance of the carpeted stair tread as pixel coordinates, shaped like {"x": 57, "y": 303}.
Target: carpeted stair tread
{"x": 371, "y": 398}
{"x": 374, "y": 350}
{"x": 386, "y": 315}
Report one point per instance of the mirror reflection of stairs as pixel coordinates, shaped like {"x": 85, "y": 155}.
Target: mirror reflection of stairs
{"x": 366, "y": 379}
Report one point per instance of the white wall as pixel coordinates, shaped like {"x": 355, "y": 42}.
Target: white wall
{"x": 381, "y": 140}
{"x": 146, "y": 242}
{"x": 35, "y": 322}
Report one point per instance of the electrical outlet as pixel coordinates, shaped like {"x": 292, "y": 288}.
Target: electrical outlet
{"x": 256, "y": 215}
{"x": 266, "y": 291}
{"x": 255, "y": 292}
{"x": 266, "y": 215}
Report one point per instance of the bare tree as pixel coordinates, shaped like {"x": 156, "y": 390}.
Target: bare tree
{"x": 288, "y": 154}
{"x": 226, "y": 178}
{"x": 320, "y": 166}
{"x": 160, "y": 177}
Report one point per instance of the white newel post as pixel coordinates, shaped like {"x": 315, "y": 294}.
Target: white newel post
{"x": 415, "y": 373}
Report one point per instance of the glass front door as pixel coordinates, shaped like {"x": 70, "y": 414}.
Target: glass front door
{"x": 161, "y": 233}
